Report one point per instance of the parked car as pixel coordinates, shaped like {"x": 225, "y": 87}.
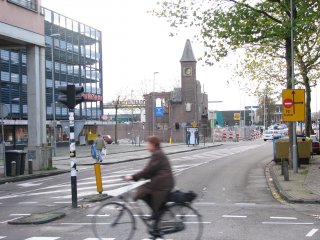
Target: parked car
{"x": 270, "y": 135}
{"x": 315, "y": 144}
{"x": 107, "y": 139}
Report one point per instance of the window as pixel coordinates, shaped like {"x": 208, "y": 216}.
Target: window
{"x": 29, "y": 4}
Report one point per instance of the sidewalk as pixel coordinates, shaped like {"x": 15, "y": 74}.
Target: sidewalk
{"x": 115, "y": 154}
{"x": 302, "y": 187}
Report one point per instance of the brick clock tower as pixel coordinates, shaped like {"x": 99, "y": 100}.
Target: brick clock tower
{"x": 190, "y": 87}
{"x": 182, "y": 106}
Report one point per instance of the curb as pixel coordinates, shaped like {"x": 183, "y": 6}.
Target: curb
{"x": 285, "y": 196}
{"x": 33, "y": 176}
{"x": 38, "y": 218}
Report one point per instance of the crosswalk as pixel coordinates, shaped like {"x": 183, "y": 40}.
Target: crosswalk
{"x": 60, "y": 193}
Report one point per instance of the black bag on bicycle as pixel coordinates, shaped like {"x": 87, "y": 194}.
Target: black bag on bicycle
{"x": 181, "y": 197}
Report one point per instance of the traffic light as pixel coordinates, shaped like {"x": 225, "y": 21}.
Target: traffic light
{"x": 71, "y": 95}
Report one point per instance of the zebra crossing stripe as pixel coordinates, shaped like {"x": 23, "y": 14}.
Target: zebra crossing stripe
{"x": 2, "y": 237}
{"x": 43, "y": 238}
{"x": 99, "y": 239}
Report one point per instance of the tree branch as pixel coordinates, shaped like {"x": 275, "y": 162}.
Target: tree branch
{"x": 256, "y": 10}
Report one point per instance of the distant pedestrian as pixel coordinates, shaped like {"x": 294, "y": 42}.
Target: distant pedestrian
{"x": 100, "y": 144}
{"x": 188, "y": 137}
{"x": 196, "y": 136}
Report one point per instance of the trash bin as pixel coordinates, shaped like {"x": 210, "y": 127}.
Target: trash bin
{"x": 304, "y": 149}
{"x": 19, "y": 157}
{"x": 281, "y": 149}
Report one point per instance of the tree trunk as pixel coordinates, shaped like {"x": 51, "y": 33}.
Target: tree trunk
{"x": 306, "y": 82}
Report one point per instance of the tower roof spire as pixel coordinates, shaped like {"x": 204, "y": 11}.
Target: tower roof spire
{"x": 188, "y": 55}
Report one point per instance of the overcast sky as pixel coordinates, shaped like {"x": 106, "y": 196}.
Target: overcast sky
{"x": 136, "y": 44}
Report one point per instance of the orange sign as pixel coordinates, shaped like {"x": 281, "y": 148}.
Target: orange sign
{"x": 293, "y": 105}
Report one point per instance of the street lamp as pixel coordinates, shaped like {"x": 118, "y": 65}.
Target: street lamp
{"x": 153, "y": 92}
{"x": 53, "y": 94}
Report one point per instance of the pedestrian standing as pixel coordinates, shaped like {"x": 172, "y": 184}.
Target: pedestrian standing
{"x": 188, "y": 137}
{"x": 100, "y": 144}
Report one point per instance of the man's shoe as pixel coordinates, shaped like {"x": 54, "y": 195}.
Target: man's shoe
{"x": 156, "y": 233}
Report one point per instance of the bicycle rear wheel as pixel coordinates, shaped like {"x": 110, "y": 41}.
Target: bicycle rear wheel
{"x": 113, "y": 220}
{"x": 181, "y": 221}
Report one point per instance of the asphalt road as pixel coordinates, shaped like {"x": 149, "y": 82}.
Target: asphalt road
{"x": 234, "y": 198}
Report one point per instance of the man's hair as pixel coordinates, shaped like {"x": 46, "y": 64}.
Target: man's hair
{"x": 155, "y": 141}
{"x": 99, "y": 135}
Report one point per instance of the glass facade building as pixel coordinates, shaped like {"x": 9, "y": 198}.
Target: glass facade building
{"x": 74, "y": 51}
{"x": 77, "y": 59}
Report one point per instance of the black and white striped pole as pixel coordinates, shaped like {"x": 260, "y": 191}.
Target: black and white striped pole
{"x": 71, "y": 97}
{"x": 73, "y": 160}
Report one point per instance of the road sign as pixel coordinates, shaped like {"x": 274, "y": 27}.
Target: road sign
{"x": 293, "y": 105}
{"x": 236, "y": 116}
{"x": 159, "y": 111}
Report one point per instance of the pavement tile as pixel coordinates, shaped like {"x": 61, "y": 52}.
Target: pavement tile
{"x": 302, "y": 187}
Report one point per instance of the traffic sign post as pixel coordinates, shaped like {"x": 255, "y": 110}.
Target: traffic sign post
{"x": 293, "y": 105}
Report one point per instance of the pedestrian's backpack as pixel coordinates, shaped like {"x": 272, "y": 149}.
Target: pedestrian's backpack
{"x": 93, "y": 151}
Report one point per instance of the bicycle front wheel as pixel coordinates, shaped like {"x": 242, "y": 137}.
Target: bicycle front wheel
{"x": 113, "y": 220}
{"x": 181, "y": 221}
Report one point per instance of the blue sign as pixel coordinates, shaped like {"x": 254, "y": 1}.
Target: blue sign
{"x": 159, "y": 111}
{"x": 246, "y": 107}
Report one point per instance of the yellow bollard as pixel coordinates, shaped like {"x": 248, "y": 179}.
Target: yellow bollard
{"x": 170, "y": 140}
{"x": 97, "y": 171}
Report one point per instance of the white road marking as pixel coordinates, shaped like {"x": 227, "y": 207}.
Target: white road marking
{"x": 11, "y": 219}
{"x": 20, "y": 214}
{"x": 285, "y": 218}
{"x": 98, "y": 215}
{"x": 312, "y": 232}
{"x": 233, "y": 216}
{"x": 31, "y": 184}
{"x": 287, "y": 223}
{"x": 99, "y": 239}
{"x": 28, "y": 202}
{"x": 43, "y": 238}
{"x": 204, "y": 203}
{"x": 245, "y": 204}
{"x": 2, "y": 237}
{"x": 62, "y": 202}
{"x": 85, "y": 223}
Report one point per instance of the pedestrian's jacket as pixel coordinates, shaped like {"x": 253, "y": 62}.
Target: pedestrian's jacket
{"x": 158, "y": 170}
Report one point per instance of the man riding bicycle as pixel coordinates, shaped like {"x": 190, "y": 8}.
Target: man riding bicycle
{"x": 159, "y": 171}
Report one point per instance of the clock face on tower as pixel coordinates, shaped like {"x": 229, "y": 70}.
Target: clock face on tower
{"x": 187, "y": 71}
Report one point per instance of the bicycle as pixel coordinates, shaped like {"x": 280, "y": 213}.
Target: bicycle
{"x": 180, "y": 220}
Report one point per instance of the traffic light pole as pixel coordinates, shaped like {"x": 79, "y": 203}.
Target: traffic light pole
{"x": 71, "y": 96}
{"x": 73, "y": 160}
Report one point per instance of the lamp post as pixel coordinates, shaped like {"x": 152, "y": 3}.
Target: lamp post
{"x": 294, "y": 133}
{"x": 53, "y": 94}
{"x": 152, "y": 108}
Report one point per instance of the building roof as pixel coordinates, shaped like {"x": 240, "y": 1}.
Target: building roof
{"x": 188, "y": 55}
